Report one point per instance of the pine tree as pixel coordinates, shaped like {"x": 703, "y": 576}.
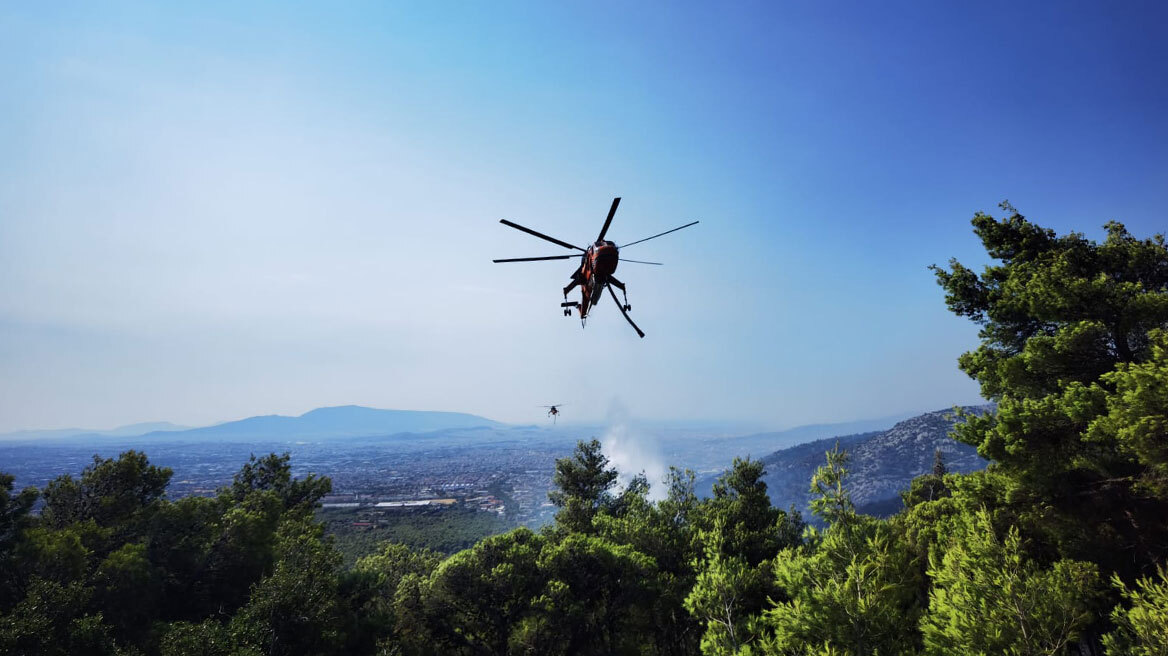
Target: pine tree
{"x": 584, "y": 484}
{"x": 1064, "y": 320}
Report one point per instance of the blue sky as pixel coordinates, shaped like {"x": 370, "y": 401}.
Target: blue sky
{"x": 209, "y": 212}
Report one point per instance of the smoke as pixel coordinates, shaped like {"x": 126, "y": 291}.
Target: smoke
{"x": 633, "y": 451}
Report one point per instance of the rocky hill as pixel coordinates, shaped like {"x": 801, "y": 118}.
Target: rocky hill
{"x": 882, "y": 463}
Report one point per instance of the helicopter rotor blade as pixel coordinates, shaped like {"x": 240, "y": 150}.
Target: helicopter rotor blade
{"x": 539, "y": 234}
{"x": 640, "y": 262}
{"x": 622, "y": 309}
{"x": 536, "y": 259}
{"x": 658, "y": 235}
{"x": 608, "y": 221}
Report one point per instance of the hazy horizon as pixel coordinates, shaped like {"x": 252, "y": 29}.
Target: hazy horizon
{"x": 537, "y": 421}
{"x": 213, "y": 212}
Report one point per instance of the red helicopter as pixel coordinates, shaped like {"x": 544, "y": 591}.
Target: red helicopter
{"x": 553, "y": 411}
{"x": 597, "y": 265}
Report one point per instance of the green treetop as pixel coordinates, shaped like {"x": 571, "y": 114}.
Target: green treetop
{"x": 584, "y": 486}
{"x": 1071, "y": 351}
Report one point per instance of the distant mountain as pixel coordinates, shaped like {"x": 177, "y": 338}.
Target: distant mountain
{"x": 881, "y": 464}
{"x": 120, "y": 431}
{"x": 323, "y": 423}
{"x": 337, "y": 422}
{"x": 143, "y": 428}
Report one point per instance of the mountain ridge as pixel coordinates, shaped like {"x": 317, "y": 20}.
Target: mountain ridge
{"x": 881, "y": 463}
{"x": 129, "y": 430}
{"x": 326, "y": 422}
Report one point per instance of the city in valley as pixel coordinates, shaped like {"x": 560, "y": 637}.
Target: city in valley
{"x": 370, "y": 478}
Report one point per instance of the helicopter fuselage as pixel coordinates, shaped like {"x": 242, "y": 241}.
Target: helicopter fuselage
{"x": 597, "y": 265}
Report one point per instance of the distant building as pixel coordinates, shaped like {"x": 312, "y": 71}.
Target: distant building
{"x": 416, "y": 503}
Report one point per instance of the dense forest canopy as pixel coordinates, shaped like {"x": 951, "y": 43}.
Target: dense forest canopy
{"x": 1059, "y": 547}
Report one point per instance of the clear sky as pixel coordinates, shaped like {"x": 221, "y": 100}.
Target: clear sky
{"x": 209, "y": 212}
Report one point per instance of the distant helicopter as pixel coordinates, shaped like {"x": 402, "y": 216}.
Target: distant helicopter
{"x": 553, "y": 411}
{"x": 597, "y": 265}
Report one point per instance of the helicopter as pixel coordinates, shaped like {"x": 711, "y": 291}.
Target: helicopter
{"x": 553, "y": 411}
{"x": 597, "y": 264}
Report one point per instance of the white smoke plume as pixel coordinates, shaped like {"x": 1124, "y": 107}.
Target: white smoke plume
{"x": 632, "y": 451}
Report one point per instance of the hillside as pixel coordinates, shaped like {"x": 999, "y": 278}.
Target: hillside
{"x": 882, "y": 463}
{"x": 712, "y": 455}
